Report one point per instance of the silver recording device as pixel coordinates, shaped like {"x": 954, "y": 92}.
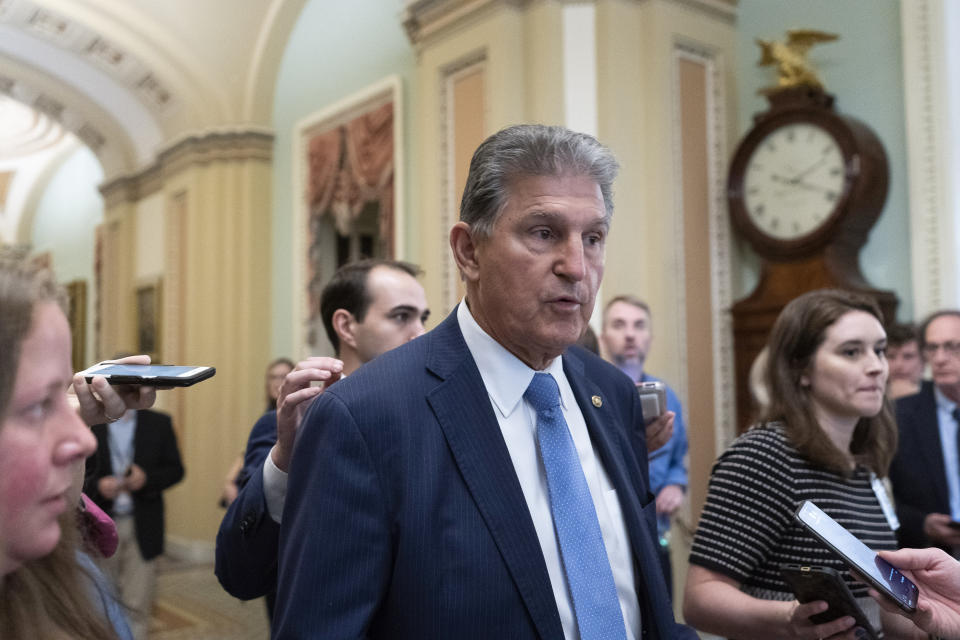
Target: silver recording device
{"x": 653, "y": 400}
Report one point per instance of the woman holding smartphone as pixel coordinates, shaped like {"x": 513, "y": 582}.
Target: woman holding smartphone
{"x": 49, "y": 588}
{"x": 826, "y": 436}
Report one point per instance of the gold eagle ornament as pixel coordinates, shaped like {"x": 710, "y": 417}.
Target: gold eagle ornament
{"x": 790, "y": 58}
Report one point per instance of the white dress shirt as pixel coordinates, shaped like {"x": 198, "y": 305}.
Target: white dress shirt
{"x": 120, "y": 437}
{"x": 506, "y": 379}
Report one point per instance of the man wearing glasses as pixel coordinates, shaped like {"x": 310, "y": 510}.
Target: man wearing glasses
{"x": 925, "y": 473}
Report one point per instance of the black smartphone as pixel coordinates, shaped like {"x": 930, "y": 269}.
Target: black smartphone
{"x": 881, "y": 575}
{"x": 824, "y": 583}
{"x": 153, "y": 375}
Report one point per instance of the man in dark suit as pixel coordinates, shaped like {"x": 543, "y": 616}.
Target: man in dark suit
{"x": 925, "y": 473}
{"x": 486, "y": 480}
{"x": 137, "y": 459}
{"x": 368, "y": 307}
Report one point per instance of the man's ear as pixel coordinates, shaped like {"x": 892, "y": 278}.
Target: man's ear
{"x": 464, "y": 249}
{"x": 343, "y": 325}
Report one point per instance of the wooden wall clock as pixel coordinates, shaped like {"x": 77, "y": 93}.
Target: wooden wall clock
{"x": 805, "y": 187}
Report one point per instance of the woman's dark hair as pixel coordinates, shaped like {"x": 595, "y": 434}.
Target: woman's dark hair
{"x": 796, "y": 335}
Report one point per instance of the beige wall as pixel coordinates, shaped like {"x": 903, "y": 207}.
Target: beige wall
{"x": 495, "y": 38}
{"x": 198, "y": 221}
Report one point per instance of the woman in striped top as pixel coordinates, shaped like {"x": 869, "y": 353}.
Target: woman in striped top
{"x": 826, "y": 436}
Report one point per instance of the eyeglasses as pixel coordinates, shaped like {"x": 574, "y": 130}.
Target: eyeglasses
{"x": 951, "y": 348}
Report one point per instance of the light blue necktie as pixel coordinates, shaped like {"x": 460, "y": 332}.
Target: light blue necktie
{"x": 575, "y": 518}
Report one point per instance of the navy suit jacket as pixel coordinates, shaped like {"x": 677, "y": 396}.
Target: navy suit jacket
{"x": 404, "y": 517}
{"x": 246, "y": 558}
{"x": 917, "y": 472}
{"x": 155, "y": 451}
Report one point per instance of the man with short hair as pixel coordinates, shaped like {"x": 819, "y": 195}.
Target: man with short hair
{"x": 487, "y": 480}
{"x": 367, "y": 308}
{"x": 906, "y": 365}
{"x": 626, "y": 337}
{"x": 925, "y": 473}
{"x": 137, "y": 460}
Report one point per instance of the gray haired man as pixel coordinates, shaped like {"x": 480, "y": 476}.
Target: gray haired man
{"x": 486, "y": 480}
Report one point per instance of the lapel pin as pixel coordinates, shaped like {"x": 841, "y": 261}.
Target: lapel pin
{"x": 597, "y": 401}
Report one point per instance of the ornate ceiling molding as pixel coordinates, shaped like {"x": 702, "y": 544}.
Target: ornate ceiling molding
{"x": 93, "y": 48}
{"x": 57, "y": 106}
{"x": 213, "y": 146}
{"x": 725, "y": 10}
{"x": 426, "y": 19}
{"x": 25, "y": 131}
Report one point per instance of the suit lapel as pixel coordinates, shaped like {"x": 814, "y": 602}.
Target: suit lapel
{"x": 470, "y": 427}
{"x": 140, "y": 438}
{"x": 628, "y": 481}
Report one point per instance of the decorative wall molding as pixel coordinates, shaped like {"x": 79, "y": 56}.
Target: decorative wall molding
{"x": 932, "y": 229}
{"x": 725, "y": 10}
{"x": 202, "y": 148}
{"x": 427, "y": 19}
{"x": 721, "y": 243}
{"x": 450, "y": 200}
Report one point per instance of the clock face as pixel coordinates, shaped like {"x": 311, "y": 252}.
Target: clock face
{"x": 794, "y": 180}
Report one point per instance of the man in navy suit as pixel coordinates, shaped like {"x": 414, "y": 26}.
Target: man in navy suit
{"x": 925, "y": 473}
{"x": 424, "y": 498}
{"x": 137, "y": 459}
{"x": 368, "y": 307}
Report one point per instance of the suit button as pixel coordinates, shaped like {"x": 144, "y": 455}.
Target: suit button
{"x": 245, "y": 524}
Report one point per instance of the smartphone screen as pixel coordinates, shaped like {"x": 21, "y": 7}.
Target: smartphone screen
{"x": 881, "y": 574}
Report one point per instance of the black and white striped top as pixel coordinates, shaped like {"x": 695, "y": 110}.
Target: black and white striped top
{"x": 747, "y": 530}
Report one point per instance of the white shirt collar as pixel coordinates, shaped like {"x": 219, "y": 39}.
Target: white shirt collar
{"x": 505, "y": 376}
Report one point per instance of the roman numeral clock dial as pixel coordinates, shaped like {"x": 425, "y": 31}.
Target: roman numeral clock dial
{"x": 805, "y": 186}
{"x": 794, "y": 180}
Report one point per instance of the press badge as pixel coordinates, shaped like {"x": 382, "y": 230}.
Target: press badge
{"x": 881, "y": 492}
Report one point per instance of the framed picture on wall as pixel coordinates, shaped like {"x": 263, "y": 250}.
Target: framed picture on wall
{"x": 149, "y": 307}
{"x": 347, "y": 172}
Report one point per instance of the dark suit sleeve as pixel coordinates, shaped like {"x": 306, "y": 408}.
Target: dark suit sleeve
{"x": 98, "y": 466}
{"x": 911, "y": 493}
{"x": 650, "y": 584}
{"x": 162, "y": 465}
{"x": 335, "y": 542}
{"x": 911, "y": 517}
{"x": 248, "y": 539}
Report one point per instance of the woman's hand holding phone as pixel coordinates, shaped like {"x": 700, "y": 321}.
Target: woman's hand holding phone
{"x": 100, "y": 402}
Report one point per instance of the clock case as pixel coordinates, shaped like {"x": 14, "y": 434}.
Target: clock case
{"x": 865, "y": 184}
{"x": 827, "y": 257}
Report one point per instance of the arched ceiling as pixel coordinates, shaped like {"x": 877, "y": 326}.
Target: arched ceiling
{"x": 130, "y": 77}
